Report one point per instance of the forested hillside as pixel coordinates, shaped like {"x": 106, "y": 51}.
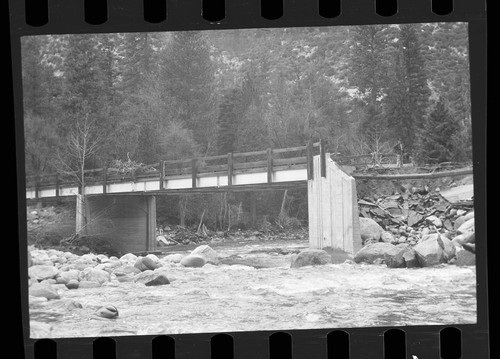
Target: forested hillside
{"x": 152, "y": 96}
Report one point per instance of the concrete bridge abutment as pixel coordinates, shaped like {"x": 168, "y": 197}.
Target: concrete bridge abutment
{"x": 128, "y": 222}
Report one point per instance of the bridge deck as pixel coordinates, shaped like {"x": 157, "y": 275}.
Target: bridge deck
{"x": 270, "y": 169}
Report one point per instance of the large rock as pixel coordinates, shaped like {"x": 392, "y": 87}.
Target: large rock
{"x": 434, "y": 220}
{"x": 394, "y": 257}
{"x": 465, "y": 258}
{"x": 310, "y": 257}
{"x": 73, "y": 284}
{"x": 65, "y": 277}
{"x": 173, "y": 258}
{"x": 193, "y": 261}
{"x": 128, "y": 258}
{"x": 126, "y": 270}
{"x": 469, "y": 215}
{"x": 449, "y": 248}
{"x": 152, "y": 278}
{"x": 41, "y": 272}
{"x": 410, "y": 257}
{"x": 145, "y": 263}
{"x": 466, "y": 227}
{"x": 94, "y": 275}
{"x": 434, "y": 251}
{"x": 369, "y": 229}
{"x": 469, "y": 237}
{"x": 370, "y": 252}
{"x": 206, "y": 252}
{"x": 387, "y": 237}
{"x": 43, "y": 290}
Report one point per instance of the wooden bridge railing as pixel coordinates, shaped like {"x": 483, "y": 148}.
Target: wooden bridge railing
{"x": 269, "y": 160}
{"x": 232, "y": 163}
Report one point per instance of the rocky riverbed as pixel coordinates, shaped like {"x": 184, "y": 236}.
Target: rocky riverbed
{"x": 238, "y": 287}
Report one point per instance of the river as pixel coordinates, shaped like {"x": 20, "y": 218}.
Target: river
{"x": 266, "y": 296}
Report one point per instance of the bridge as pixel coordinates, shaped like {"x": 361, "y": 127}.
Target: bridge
{"x": 122, "y": 204}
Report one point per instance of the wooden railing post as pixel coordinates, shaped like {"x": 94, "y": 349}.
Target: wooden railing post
{"x": 322, "y": 156}
{"x": 230, "y": 168}
{"x": 309, "y": 154}
{"x": 194, "y": 170}
{"x": 269, "y": 165}
{"x": 37, "y": 185}
{"x": 104, "y": 179}
{"x": 162, "y": 174}
{"x": 57, "y": 184}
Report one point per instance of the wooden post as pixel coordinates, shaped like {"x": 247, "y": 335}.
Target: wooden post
{"x": 162, "y": 174}
{"x": 309, "y": 154}
{"x": 269, "y": 165}
{"x": 151, "y": 225}
{"x": 230, "y": 169}
{"x": 104, "y": 179}
{"x": 37, "y": 185}
{"x": 57, "y": 184}
{"x": 322, "y": 156}
{"x": 194, "y": 169}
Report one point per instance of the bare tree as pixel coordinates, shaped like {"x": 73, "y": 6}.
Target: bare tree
{"x": 82, "y": 144}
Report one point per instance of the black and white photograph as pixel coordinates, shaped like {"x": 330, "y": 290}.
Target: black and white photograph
{"x": 251, "y": 179}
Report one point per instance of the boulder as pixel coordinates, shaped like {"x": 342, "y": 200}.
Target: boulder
{"x": 432, "y": 237}
{"x": 128, "y": 258}
{"x": 387, "y": 237}
{"x": 174, "y": 258}
{"x": 310, "y": 257}
{"x": 434, "y": 220}
{"x": 410, "y": 257}
{"x": 107, "y": 311}
{"x": 43, "y": 290}
{"x": 394, "y": 257}
{"x": 152, "y": 278}
{"x": 465, "y": 258}
{"x": 193, "y": 261}
{"x": 49, "y": 281}
{"x": 449, "y": 249}
{"x": 88, "y": 284}
{"x": 469, "y": 237}
{"x": 466, "y": 227}
{"x": 65, "y": 277}
{"x": 469, "y": 215}
{"x": 434, "y": 251}
{"x": 206, "y": 252}
{"x": 458, "y": 222}
{"x": 72, "y": 284}
{"x": 145, "y": 263}
{"x": 471, "y": 247}
{"x": 369, "y": 229}
{"x": 41, "y": 272}
{"x": 370, "y": 252}
{"x": 94, "y": 275}
{"x": 125, "y": 270}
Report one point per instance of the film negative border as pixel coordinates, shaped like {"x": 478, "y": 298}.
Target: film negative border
{"x": 69, "y": 16}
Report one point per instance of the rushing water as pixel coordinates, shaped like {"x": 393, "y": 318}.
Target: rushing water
{"x": 228, "y": 298}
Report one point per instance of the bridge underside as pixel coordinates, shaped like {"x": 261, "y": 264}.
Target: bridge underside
{"x": 127, "y": 222}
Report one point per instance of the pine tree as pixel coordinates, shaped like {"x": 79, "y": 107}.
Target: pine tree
{"x": 408, "y": 95}
{"x": 228, "y": 119}
{"x": 188, "y": 76}
{"x": 439, "y": 138}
